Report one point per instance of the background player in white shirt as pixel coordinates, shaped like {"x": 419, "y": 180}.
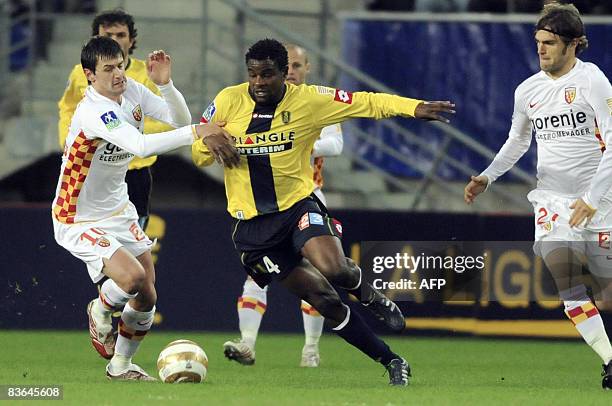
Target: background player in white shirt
{"x": 92, "y": 215}
{"x": 568, "y": 107}
{"x": 253, "y": 302}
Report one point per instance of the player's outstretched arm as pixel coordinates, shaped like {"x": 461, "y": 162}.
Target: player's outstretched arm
{"x": 431, "y": 110}
{"x": 220, "y": 143}
{"x": 159, "y": 67}
{"x": 476, "y": 186}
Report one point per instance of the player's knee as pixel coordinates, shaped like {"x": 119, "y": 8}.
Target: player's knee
{"x": 345, "y": 273}
{"x": 135, "y": 278}
{"x": 353, "y": 274}
{"x": 336, "y": 269}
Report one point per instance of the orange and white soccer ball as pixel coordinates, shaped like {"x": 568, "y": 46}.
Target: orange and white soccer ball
{"x": 182, "y": 361}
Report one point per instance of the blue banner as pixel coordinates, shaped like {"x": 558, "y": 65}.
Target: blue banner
{"x": 477, "y": 65}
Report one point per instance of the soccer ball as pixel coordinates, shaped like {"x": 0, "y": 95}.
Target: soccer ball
{"x": 182, "y": 361}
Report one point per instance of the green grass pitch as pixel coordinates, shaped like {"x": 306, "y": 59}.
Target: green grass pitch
{"x": 446, "y": 371}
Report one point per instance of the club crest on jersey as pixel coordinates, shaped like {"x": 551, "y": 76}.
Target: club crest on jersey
{"x": 103, "y": 242}
{"x": 208, "y": 113}
{"x": 343, "y": 96}
{"x": 609, "y": 101}
{"x": 137, "y": 113}
{"x": 570, "y": 94}
{"x": 110, "y": 120}
{"x": 286, "y": 116}
{"x": 604, "y": 240}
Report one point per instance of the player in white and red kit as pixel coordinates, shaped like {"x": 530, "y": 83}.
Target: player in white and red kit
{"x": 92, "y": 215}
{"x": 568, "y": 108}
{"x": 253, "y": 302}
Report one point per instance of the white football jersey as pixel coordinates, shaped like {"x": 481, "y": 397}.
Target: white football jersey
{"x": 571, "y": 120}
{"x": 104, "y": 137}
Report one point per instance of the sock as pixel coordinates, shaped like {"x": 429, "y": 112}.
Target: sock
{"x": 111, "y": 297}
{"x": 587, "y": 320}
{"x": 133, "y": 326}
{"x": 354, "y": 331}
{"x": 251, "y": 308}
{"x": 313, "y": 326}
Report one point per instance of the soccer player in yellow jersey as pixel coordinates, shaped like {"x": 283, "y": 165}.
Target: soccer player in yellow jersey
{"x": 278, "y": 223}
{"x": 119, "y": 26}
{"x": 253, "y": 302}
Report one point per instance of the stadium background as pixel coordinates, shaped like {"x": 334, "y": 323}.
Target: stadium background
{"x": 401, "y": 181}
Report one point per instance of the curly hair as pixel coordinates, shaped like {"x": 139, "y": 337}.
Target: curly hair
{"x": 563, "y": 20}
{"x": 115, "y": 16}
{"x": 269, "y": 49}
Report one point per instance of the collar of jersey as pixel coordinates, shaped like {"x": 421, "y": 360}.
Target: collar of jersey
{"x": 269, "y": 106}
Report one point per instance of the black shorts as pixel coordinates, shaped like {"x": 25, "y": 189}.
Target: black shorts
{"x": 270, "y": 245}
{"x": 139, "y": 182}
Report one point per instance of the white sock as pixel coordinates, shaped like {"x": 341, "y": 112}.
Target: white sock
{"x": 133, "y": 326}
{"x": 111, "y": 297}
{"x": 251, "y": 308}
{"x": 119, "y": 364}
{"x": 585, "y": 316}
{"x": 313, "y": 326}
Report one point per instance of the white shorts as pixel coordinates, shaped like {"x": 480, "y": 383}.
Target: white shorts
{"x": 92, "y": 241}
{"x": 552, "y": 231}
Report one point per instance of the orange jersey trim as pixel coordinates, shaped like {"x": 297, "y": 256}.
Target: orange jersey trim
{"x": 317, "y": 168}
{"x": 75, "y": 172}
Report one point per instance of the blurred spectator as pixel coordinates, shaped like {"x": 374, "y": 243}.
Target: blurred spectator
{"x": 20, "y": 31}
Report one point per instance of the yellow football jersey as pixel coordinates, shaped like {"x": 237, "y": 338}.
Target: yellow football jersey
{"x": 77, "y": 83}
{"x": 275, "y": 142}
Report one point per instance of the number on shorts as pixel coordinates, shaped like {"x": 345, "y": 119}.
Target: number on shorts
{"x": 543, "y": 213}
{"x": 137, "y": 232}
{"x": 91, "y": 238}
{"x": 270, "y": 266}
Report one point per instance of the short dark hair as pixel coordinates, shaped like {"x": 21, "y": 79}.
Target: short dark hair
{"x": 563, "y": 20}
{"x": 269, "y": 49}
{"x": 99, "y": 48}
{"x": 115, "y": 16}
